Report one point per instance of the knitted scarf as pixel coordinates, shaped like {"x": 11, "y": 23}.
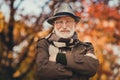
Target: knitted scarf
{"x": 62, "y": 42}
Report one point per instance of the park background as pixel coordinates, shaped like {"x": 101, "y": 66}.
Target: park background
{"x": 22, "y": 24}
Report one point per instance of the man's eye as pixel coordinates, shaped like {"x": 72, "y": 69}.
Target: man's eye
{"x": 68, "y": 21}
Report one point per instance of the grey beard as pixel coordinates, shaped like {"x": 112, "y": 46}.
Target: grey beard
{"x": 64, "y": 35}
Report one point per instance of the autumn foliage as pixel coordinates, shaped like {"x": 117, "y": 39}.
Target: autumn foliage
{"x": 99, "y": 24}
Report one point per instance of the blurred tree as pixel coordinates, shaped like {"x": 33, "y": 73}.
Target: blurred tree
{"x": 99, "y": 24}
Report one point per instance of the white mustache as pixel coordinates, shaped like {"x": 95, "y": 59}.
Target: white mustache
{"x": 65, "y": 30}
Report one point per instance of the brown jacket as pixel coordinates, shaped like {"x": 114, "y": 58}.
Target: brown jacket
{"x": 80, "y": 66}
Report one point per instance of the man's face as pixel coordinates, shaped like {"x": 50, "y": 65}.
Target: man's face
{"x": 64, "y": 27}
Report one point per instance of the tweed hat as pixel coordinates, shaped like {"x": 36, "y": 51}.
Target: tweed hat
{"x": 63, "y": 10}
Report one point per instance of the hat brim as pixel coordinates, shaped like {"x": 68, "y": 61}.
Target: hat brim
{"x": 53, "y": 18}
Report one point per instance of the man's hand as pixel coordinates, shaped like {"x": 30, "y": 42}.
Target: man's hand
{"x": 53, "y": 51}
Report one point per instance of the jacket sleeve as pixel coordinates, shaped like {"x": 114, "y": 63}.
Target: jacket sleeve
{"x": 82, "y": 60}
{"x": 45, "y": 68}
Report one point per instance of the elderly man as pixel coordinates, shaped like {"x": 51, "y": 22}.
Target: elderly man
{"x": 60, "y": 55}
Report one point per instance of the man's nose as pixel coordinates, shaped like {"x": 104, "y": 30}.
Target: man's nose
{"x": 64, "y": 25}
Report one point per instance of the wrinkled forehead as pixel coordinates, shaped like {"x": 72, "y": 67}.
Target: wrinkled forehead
{"x": 65, "y": 18}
